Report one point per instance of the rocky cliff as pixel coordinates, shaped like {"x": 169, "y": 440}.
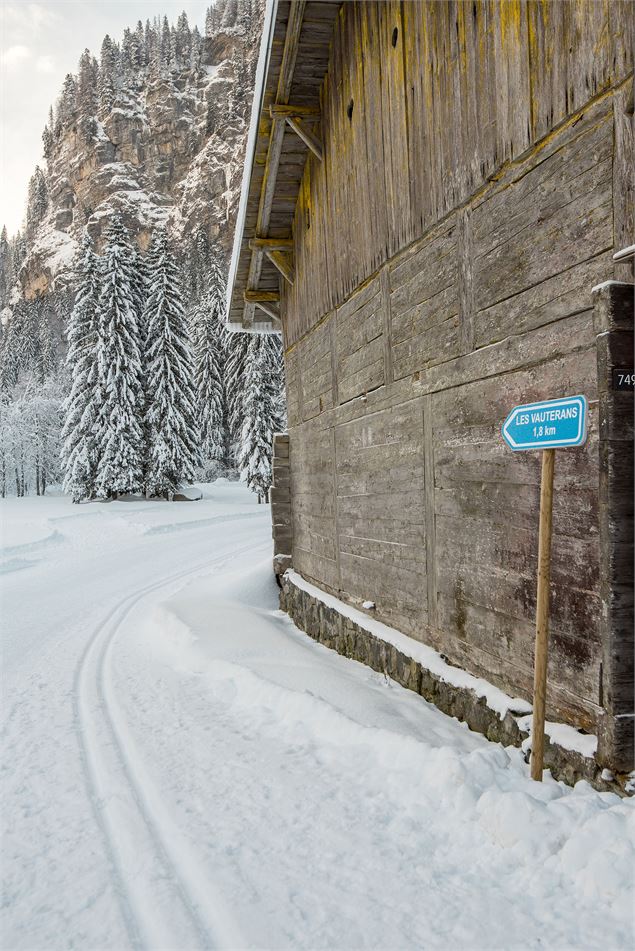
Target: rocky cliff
{"x": 154, "y": 130}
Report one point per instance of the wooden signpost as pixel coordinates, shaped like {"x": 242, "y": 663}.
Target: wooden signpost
{"x": 550, "y": 425}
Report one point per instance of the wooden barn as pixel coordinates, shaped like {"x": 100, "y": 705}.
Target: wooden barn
{"x": 437, "y": 214}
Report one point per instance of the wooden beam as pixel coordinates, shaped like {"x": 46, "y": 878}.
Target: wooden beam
{"x": 271, "y": 244}
{"x": 289, "y": 55}
{"x": 283, "y": 261}
{"x": 309, "y": 138}
{"x": 287, "y": 67}
{"x": 261, "y": 297}
{"x": 271, "y": 311}
{"x": 278, "y": 111}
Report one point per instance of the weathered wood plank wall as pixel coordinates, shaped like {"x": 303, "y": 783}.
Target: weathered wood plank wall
{"x": 441, "y": 96}
{"x": 445, "y": 251}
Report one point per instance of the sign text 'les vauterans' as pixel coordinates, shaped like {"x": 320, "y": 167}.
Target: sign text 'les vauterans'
{"x": 551, "y": 424}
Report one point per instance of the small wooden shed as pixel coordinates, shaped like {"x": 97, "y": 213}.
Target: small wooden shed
{"x": 432, "y": 192}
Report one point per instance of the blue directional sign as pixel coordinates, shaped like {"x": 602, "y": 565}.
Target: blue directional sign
{"x": 548, "y": 425}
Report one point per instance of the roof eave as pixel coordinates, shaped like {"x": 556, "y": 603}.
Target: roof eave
{"x": 250, "y": 151}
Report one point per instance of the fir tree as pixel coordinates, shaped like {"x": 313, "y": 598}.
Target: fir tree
{"x": 5, "y": 267}
{"x": 119, "y": 435}
{"x": 47, "y": 142}
{"x": 27, "y": 345}
{"x": 67, "y": 104}
{"x": 106, "y": 77}
{"x": 210, "y": 359}
{"x": 82, "y": 405}
{"x": 87, "y": 85}
{"x": 170, "y": 417}
{"x": 230, "y": 12}
{"x": 139, "y": 46}
{"x": 183, "y": 39}
{"x": 259, "y": 418}
{"x": 37, "y": 201}
{"x": 196, "y": 46}
{"x": 45, "y": 362}
{"x": 18, "y": 254}
{"x": 165, "y": 47}
{"x": 235, "y": 368}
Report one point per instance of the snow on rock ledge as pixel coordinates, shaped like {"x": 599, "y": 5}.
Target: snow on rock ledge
{"x": 569, "y": 754}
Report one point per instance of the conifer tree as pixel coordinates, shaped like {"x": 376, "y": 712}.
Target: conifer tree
{"x": 119, "y": 435}
{"x": 259, "y": 418}
{"x": 210, "y": 21}
{"x": 139, "y": 46}
{"x": 183, "y": 39}
{"x": 18, "y": 254}
{"x": 196, "y": 45}
{"x": 47, "y": 142}
{"x": 67, "y": 103}
{"x": 210, "y": 359}
{"x": 87, "y": 85}
{"x": 235, "y": 369}
{"x": 37, "y": 201}
{"x": 172, "y": 453}
{"x": 5, "y": 266}
{"x": 45, "y": 361}
{"x": 165, "y": 47}
{"x": 82, "y": 405}
{"x": 106, "y": 77}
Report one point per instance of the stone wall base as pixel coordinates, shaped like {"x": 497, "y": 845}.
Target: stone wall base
{"x": 337, "y": 630}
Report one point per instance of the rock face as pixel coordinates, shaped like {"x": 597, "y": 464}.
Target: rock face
{"x": 169, "y": 150}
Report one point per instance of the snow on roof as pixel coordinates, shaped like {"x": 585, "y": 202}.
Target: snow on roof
{"x": 259, "y": 90}
{"x": 625, "y": 253}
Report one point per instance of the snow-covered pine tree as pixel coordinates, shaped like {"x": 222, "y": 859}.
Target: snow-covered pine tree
{"x": 274, "y": 357}
{"x": 235, "y": 369}
{"x": 119, "y": 434}
{"x": 165, "y": 46}
{"x": 47, "y": 142}
{"x": 172, "y": 451}
{"x": 37, "y": 201}
{"x": 210, "y": 366}
{"x": 45, "y": 361}
{"x": 106, "y": 76}
{"x": 139, "y": 46}
{"x": 88, "y": 72}
{"x": 67, "y": 102}
{"x": 5, "y": 267}
{"x": 82, "y": 405}
{"x": 184, "y": 39}
{"x": 196, "y": 45}
{"x": 259, "y": 417}
{"x": 18, "y": 254}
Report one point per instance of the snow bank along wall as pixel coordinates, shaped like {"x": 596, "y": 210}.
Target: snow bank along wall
{"x": 475, "y": 182}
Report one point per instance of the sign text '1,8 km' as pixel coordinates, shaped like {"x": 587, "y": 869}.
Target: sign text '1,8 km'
{"x": 548, "y": 425}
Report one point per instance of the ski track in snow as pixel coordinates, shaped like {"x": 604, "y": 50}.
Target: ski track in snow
{"x": 170, "y": 908}
{"x": 184, "y": 769}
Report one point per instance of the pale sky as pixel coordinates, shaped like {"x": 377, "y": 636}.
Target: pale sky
{"x": 39, "y": 44}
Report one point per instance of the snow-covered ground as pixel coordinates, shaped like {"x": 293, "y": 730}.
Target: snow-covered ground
{"x": 182, "y": 768}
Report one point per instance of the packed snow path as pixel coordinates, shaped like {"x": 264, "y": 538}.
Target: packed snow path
{"x": 183, "y": 768}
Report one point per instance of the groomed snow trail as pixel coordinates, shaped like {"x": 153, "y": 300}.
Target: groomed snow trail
{"x": 184, "y": 769}
{"x": 165, "y": 907}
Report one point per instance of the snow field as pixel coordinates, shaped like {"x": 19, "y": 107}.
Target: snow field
{"x": 184, "y": 768}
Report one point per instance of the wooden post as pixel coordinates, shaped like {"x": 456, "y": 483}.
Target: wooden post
{"x": 542, "y": 615}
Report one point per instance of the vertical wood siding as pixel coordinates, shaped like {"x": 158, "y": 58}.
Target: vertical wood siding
{"x": 445, "y": 253}
{"x": 443, "y": 96}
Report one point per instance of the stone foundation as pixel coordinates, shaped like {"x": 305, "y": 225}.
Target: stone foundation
{"x": 280, "y": 498}
{"x": 340, "y": 632}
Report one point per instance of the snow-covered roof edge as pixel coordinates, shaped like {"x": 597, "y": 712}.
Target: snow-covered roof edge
{"x": 259, "y": 91}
